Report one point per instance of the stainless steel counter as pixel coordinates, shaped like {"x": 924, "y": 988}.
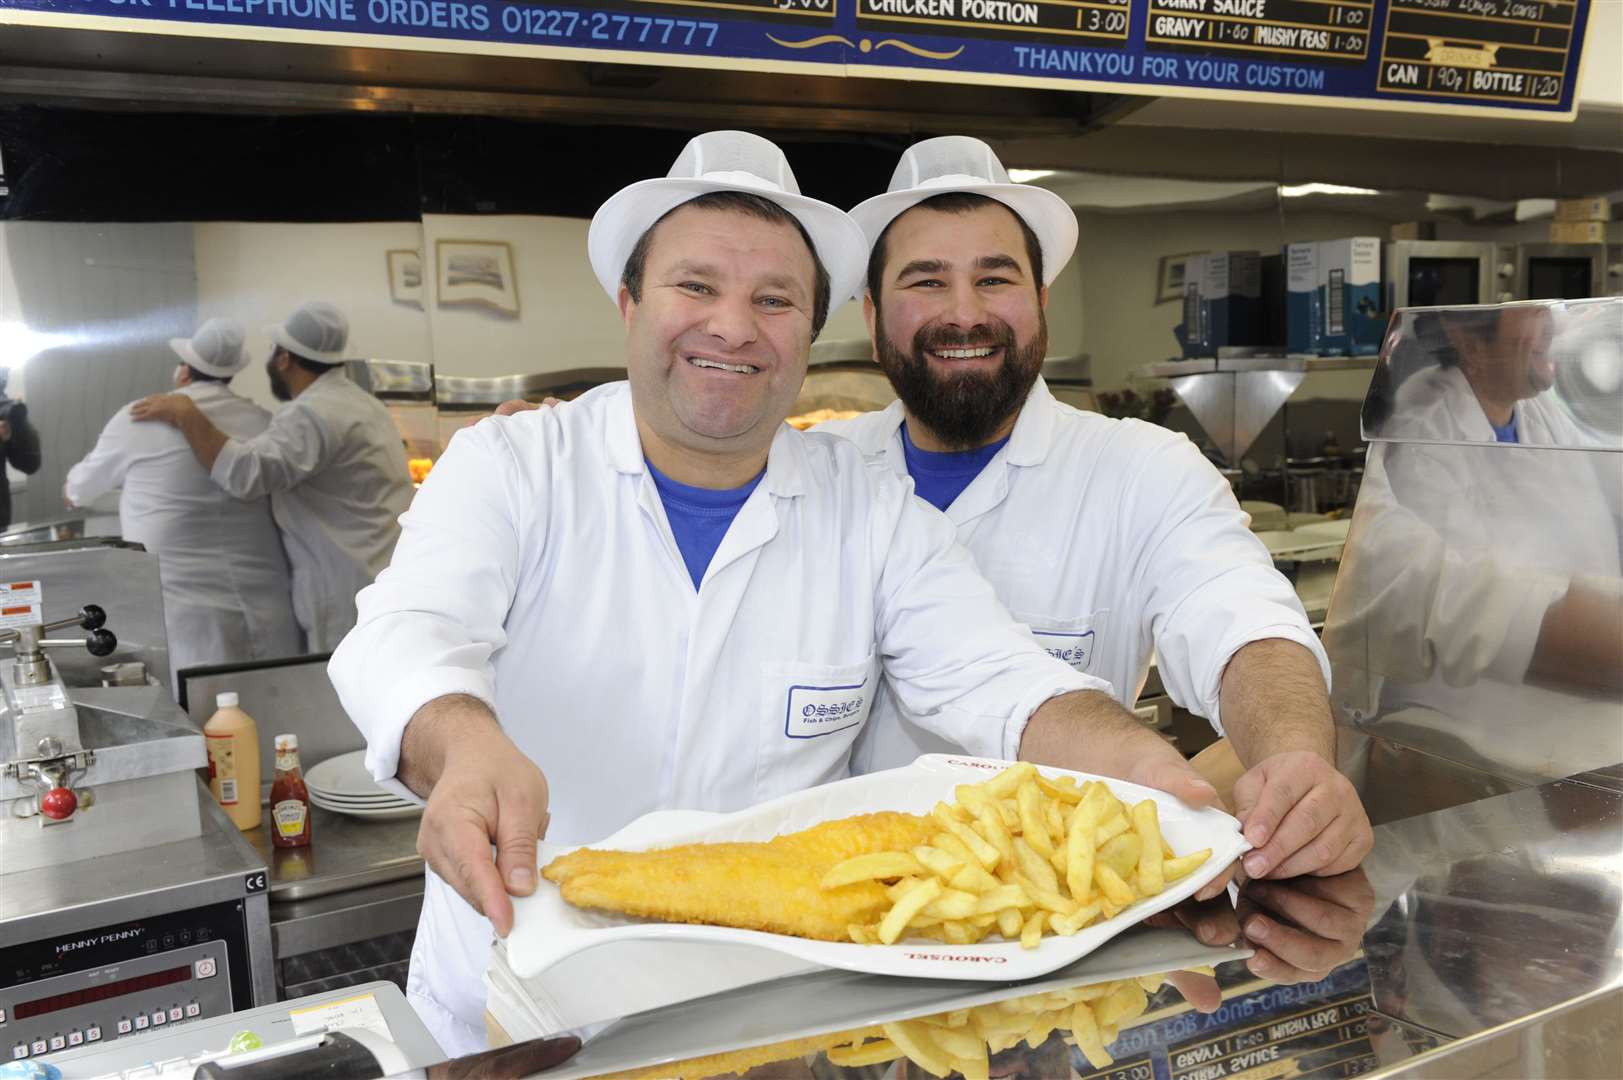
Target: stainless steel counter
{"x": 345, "y": 853}
{"x": 1499, "y": 909}
{"x": 343, "y": 910}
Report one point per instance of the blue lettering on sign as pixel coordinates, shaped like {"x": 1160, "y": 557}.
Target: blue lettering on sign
{"x": 814, "y": 711}
{"x": 837, "y": 711}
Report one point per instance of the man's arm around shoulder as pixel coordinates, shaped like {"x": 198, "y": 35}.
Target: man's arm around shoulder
{"x": 182, "y": 413}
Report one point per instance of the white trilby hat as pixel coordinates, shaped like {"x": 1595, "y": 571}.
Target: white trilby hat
{"x": 316, "y": 331}
{"x": 216, "y": 348}
{"x": 725, "y": 161}
{"x": 964, "y": 163}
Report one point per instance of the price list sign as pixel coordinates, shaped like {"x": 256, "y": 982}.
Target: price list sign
{"x": 805, "y": 12}
{"x": 1332, "y": 30}
{"x": 1102, "y": 20}
{"x": 1515, "y": 58}
{"x": 1478, "y": 50}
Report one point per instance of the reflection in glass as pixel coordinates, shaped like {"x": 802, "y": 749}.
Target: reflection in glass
{"x": 1029, "y": 1035}
{"x": 1478, "y": 614}
{"x": 1543, "y": 374}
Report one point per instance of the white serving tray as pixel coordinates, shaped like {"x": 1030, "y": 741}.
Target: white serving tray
{"x": 548, "y": 930}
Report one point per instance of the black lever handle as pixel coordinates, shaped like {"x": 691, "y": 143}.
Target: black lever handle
{"x": 90, "y": 617}
{"x": 101, "y": 642}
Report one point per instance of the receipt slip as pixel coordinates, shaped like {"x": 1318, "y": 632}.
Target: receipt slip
{"x": 357, "y": 1012}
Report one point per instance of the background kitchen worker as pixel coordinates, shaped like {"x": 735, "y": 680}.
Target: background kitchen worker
{"x": 19, "y": 444}
{"x": 1114, "y": 540}
{"x": 225, "y": 578}
{"x": 664, "y": 596}
{"x": 331, "y": 461}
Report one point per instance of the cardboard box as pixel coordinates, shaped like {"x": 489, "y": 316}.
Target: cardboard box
{"x": 1598, "y": 208}
{"x": 1273, "y": 332}
{"x": 1349, "y": 279}
{"x": 1222, "y": 301}
{"x": 1235, "y": 298}
{"x": 1578, "y": 232}
{"x": 1302, "y": 333}
{"x": 1414, "y": 230}
{"x": 1195, "y": 335}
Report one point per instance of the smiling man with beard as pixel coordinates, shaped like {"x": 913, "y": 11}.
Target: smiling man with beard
{"x": 1113, "y": 540}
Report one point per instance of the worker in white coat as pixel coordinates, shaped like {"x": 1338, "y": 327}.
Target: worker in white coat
{"x": 660, "y": 596}
{"x": 1108, "y": 538}
{"x": 226, "y": 596}
{"x": 331, "y": 461}
{"x": 1481, "y": 588}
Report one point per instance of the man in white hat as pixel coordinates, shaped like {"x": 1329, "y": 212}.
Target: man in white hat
{"x": 226, "y": 594}
{"x": 1111, "y": 539}
{"x": 661, "y": 596}
{"x": 331, "y": 461}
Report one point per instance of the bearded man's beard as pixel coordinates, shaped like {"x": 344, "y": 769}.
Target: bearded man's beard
{"x": 964, "y": 409}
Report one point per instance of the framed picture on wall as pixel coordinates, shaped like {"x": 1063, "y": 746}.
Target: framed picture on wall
{"x": 476, "y": 272}
{"x": 1169, "y": 277}
{"x": 405, "y": 276}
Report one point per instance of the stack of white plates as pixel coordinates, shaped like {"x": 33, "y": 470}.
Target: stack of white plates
{"x": 342, "y": 785}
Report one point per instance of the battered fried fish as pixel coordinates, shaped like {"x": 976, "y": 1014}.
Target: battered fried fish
{"x": 771, "y": 886}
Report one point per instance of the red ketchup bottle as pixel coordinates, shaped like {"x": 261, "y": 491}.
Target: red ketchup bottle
{"x": 289, "y": 798}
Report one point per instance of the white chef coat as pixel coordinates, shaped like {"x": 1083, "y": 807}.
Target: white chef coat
{"x": 1109, "y": 539}
{"x": 1455, "y": 555}
{"x": 537, "y": 571}
{"x": 334, "y": 466}
{"x": 225, "y": 578}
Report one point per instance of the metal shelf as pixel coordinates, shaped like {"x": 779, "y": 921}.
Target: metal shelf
{"x": 1294, "y": 362}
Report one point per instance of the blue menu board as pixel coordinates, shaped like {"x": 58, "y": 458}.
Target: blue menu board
{"x": 1510, "y": 57}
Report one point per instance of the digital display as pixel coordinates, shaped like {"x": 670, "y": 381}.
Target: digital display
{"x": 1439, "y": 282}
{"x": 89, "y": 994}
{"x": 1559, "y": 278}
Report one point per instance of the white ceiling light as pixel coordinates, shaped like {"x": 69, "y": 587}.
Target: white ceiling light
{"x": 1026, "y": 176}
{"x": 1295, "y": 191}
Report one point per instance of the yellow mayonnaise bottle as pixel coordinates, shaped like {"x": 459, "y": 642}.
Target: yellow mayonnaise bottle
{"x": 233, "y": 746}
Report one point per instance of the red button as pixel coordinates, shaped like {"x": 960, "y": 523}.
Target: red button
{"x": 59, "y": 803}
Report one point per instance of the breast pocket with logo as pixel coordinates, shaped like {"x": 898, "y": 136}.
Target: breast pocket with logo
{"x": 813, "y": 715}
{"x": 1075, "y": 641}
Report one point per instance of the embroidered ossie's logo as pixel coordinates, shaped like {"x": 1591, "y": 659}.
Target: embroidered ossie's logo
{"x": 1075, "y": 649}
{"x": 837, "y": 711}
{"x": 823, "y": 710}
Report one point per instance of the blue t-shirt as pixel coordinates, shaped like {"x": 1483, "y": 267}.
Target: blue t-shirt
{"x": 940, "y": 477}
{"x": 1506, "y": 433}
{"x": 699, "y": 517}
